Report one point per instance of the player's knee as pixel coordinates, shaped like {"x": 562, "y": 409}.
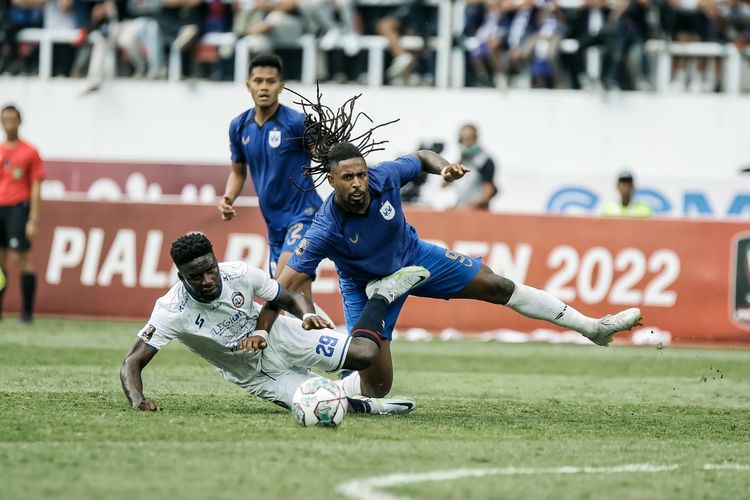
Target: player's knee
{"x": 362, "y": 354}
{"x": 500, "y": 289}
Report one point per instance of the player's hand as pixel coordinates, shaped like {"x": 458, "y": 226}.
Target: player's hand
{"x": 253, "y": 343}
{"x": 454, "y": 171}
{"x": 147, "y": 405}
{"x": 316, "y": 323}
{"x": 226, "y": 209}
{"x": 31, "y": 229}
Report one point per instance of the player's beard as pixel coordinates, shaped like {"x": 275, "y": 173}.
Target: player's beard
{"x": 356, "y": 203}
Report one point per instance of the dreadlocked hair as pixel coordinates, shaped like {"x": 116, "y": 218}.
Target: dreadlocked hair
{"x": 328, "y": 135}
{"x": 188, "y": 247}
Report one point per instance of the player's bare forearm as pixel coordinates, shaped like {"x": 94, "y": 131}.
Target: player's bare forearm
{"x": 35, "y": 201}
{"x": 130, "y": 376}
{"x": 294, "y": 302}
{"x": 235, "y": 182}
{"x": 432, "y": 163}
{"x": 267, "y": 317}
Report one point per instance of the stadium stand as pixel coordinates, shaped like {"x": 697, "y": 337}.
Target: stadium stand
{"x": 444, "y": 55}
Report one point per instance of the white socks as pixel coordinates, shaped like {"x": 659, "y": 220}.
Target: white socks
{"x": 538, "y": 304}
{"x": 352, "y": 385}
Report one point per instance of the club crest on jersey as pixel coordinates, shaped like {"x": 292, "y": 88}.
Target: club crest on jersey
{"x": 147, "y": 332}
{"x": 387, "y": 211}
{"x": 238, "y": 300}
{"x": 274, "y": 138}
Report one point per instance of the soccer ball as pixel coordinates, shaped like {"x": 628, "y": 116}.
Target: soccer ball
{"x": 319, "y": 401}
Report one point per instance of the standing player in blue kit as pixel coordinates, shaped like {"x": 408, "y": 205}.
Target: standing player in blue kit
{"x": 267, "y": 140}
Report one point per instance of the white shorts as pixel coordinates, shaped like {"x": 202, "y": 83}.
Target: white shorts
{"x": 291, "y": 352}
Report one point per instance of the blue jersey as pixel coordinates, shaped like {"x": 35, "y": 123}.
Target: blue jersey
{"x": 365, "y": 246}
{"x": 274, "y": 153}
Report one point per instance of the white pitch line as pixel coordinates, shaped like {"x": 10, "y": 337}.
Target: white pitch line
{"x": 726, "y": 466}
{"x": 370, "y": 489}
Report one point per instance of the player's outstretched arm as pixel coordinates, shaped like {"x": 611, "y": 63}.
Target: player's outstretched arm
{"x": 433, "y": 163}
{"x": 130, "y": 376}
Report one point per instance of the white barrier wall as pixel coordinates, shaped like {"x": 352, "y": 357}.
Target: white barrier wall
{"x": 544, "y": 142}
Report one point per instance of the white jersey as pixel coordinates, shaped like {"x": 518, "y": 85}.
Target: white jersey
{"x": 213, "y": 330}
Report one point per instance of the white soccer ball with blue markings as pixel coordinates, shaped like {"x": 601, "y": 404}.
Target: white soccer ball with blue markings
{"x": 319, "y": 402}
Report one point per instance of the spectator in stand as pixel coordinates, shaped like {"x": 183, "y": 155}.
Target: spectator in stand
{"x": 21, "y": 172}
{"x": 734, "y": 22}
{"x": 219, "y": 20}
{"x": 690, "y": 21}
{"x": 627, "y": 206}
{"x": 486, "y": 43}
{"x": 478, "y": 186}
{"x": 139, "y": 36}
{"x": 322, "y": 16}
{"x": 180, "y": 23}
{"x": 541, "y": 48}
{"x": 520, "y": 16}
{"x": 632, "y": 30}
{"x": 413, "y": 17}
{"x": 276, "y": 21}
{"x": 102, "y": 31}
{"x": 16, "y": 15}
{"x": 58, "y": 15}
{"x": 592, "y": 25}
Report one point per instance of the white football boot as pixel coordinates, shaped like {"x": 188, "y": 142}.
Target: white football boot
{"x": 395, "y": 285}
{"x": 613, "y": 323}
{"x": 383, "y": 406}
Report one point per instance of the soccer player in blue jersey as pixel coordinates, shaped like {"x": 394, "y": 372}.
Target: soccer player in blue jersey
{"x": 361, "y": 227}
{"x": 267, "y": 140}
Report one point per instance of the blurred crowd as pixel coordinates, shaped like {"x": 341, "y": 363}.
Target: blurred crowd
{"x": 537, "y": 43}
{"x": 547, "y": 41}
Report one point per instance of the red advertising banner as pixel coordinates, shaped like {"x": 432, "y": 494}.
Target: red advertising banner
{"x": 690, "y": 277}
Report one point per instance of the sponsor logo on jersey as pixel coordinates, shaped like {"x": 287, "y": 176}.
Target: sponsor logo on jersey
{"x": 233, "y": 327}
{"x": 274, "y": 138}
{"x": 300, "y": 250}
{"x": 238, "y": 300}
{"x": 147, "y": 332}
{"x": 387, "y": 211}
{"x": 199, "y": 322}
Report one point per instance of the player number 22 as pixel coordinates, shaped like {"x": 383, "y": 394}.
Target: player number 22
{"x": 325, "y": 345}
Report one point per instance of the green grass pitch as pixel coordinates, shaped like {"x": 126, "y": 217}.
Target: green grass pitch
{"x": 67, "y": 432}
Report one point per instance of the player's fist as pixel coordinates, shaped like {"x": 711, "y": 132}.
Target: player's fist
{"x": 315, "y": 322}
{"x": 254, "y": 343}
{"x": 226, "y": 209}
{"x": 454, "y": 171}
{"x": 147, "y": 405}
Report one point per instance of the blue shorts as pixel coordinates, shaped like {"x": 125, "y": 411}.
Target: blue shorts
{"x": 285, "y": 241}
{"x": 450, "y": 272}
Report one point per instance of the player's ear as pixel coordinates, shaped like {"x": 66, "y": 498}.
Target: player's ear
{"x": 330, "y": 179}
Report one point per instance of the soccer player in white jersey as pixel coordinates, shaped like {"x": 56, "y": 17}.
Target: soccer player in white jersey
{"x": 211, "y": 311}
